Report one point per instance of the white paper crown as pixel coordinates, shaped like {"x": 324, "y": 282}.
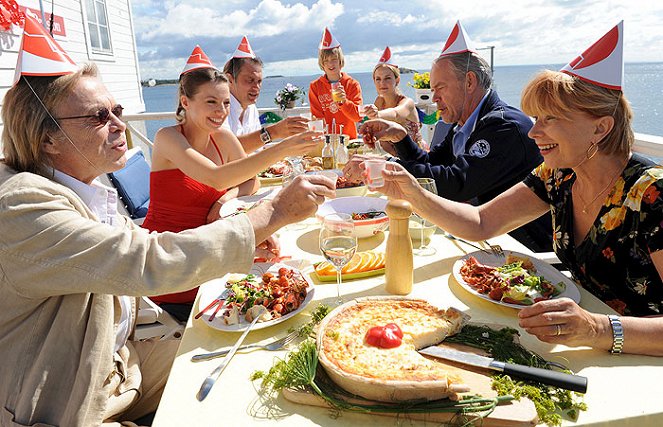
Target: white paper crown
{"x": 244, "y": 49}
{"x": 603, "y": 62}
{"x": 197, "y": 60}
{"x": 40, "y": 55}
{"x": 458, "y": 41}
{"x": 328, "y": 40}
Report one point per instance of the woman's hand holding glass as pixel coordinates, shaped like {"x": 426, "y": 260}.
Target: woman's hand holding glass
{"x": 338, "y": 244}
{"x": 371, "y": 111}
{"x": 302, "y": 143}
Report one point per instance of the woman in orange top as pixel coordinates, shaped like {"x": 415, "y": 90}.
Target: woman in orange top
{"x": 346, "y": 109}
{"x": 197, "y": 165}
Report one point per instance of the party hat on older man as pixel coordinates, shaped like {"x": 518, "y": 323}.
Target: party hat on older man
{"x": 602, "y": 63}
{"x": 328, "y": 40}
{"x": 244, "y": 49}
{"x": 386, "y": 58}
{"x": 458, "y": 41}
{"x": 40, "y": 55}
{"x": 197, "y": 60}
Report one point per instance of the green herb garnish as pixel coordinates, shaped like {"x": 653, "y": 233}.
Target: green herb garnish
{"x": 306, "y": 330}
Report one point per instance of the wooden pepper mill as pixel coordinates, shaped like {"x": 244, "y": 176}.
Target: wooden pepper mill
{"x": 398, "y": 264}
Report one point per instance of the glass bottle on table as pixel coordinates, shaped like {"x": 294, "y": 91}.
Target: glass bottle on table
{"x": 338, "y": 244}
{"x": 327, "y": 154}
{"x": 342, "y": 155}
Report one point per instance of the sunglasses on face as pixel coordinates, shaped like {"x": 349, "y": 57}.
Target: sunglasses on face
{"x": 101, "y": 117}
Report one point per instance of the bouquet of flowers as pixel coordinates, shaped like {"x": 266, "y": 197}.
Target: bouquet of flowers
{"x": 286, "y": 97}
{"x": 421, "y": 81}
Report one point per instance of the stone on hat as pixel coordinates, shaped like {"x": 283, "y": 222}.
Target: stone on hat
{"x": 386, "y": 58}
{"x": 602, "y": 63}
{"x": 197, "y": 60}
{"x": 328, "y": 40}
{"x": 244, "y": 49}
{"x": 40, "y": 54}
{"x": 458, "y": 41}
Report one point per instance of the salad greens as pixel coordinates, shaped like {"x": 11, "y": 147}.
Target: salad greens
{"x": 523, "y": 287}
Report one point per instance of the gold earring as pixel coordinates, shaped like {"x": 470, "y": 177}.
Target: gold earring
{"x": 592, "y": 150}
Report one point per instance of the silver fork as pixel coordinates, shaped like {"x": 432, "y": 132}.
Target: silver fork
{"x": 452, "y": 237}
{"x": 495, "y": 249}
{"x": 272, "y": 346}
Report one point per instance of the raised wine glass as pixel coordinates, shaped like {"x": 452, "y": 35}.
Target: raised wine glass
{"x": 424, "y": 250}
{"x": 338, "y": 244}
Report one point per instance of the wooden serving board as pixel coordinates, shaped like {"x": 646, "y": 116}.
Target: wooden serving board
{"x": 514, "y": 414}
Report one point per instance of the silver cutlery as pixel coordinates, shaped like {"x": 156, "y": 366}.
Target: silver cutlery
{"x": 452, "y": 237}
{"x": 272, "y": 346}
{"x": 211, "y": 379}
{"x": 495, "y": 249}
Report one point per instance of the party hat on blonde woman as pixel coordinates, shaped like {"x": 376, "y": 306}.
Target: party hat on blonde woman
{"x": 458, "y": 41}
{"x": 244, "y": 49}
{"x": 197, "y": 60}
{"x": 40, "y": 54}
{"x": 386, "y": 58}
{"x": 602, "y": 63}
{"x": 328, "y": 40}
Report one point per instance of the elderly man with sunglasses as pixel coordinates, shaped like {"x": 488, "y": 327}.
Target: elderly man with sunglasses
{"x": 68, "y": 260}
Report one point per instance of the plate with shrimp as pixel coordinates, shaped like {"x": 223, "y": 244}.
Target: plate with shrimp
{"x": 280, "y": 288}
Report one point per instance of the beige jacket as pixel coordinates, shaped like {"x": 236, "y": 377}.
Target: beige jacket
{"x": 59, "y": 272}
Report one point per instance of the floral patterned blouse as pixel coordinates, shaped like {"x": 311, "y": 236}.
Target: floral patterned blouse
{"x": 613, "y": 261}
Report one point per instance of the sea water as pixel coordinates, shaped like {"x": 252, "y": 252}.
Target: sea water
{"x": 643, "y": 87}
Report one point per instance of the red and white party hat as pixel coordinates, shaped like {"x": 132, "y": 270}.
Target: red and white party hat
{"x": 386, "y": 58}
{"x": 197, "y": 60}
{"x": 458, "y": 41}
{"x": 244, "y": 49}
{"x": 40, "y": 55}
{"x": 328, "y": 40}
{"x": 602, "y": 63}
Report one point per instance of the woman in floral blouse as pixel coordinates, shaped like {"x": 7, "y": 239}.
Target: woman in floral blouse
{"x": 606, "y": 206}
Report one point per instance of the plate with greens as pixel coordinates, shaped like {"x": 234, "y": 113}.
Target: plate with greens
{"x": 516, "y": 281}
{"x": 280, "y": 288}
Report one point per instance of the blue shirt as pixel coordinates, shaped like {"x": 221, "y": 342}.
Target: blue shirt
{"x": 462, "y": 134}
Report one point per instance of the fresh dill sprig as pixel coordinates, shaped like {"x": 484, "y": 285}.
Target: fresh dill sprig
{"x": 306, "y": 330}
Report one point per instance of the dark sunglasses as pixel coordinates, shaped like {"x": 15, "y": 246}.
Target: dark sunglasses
{"x": 102, "y": 116}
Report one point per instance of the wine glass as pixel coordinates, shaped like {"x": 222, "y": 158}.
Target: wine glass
{"x": 338, "y": 244}
{"x": 423, "y": 250}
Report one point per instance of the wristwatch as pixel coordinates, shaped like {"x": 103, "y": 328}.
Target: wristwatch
{"x": 264, "y": 135}
{"x": 617, "y": 334}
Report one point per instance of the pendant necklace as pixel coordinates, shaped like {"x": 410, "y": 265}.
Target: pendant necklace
{"x": 610, "y": 184}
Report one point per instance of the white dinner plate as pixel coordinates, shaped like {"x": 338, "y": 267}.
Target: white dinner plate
{"x": 233, "y": 205}
{"x": 542, "y": 269}
{"x": 209, "y": 293}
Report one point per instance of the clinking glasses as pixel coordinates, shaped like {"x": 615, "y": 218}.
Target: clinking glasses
{"x": 102, "y": 116}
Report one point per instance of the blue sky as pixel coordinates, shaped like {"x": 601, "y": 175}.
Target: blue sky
{"x": 285, "y": 34}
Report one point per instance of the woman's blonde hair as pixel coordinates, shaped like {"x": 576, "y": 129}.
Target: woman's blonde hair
{"x": 325, "y": 54}
{"x": 190, "y": 85}
{"x": 28, "y": 122}
{"x": 558, "y": 94}
{"x": 395, "y": 71}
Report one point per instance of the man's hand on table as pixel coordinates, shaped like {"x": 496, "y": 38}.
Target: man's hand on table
{"x": 562, "y": 321}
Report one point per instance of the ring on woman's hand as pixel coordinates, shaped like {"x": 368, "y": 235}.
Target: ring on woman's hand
{"x": 558, "y": 330}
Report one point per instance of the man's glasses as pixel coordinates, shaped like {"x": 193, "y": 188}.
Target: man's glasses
{"x": 102, "y": 116}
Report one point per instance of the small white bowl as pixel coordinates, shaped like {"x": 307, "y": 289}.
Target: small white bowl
{"x": 363, "y": 228}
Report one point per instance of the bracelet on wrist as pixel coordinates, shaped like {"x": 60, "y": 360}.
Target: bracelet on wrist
{"x": 617, "y": 334}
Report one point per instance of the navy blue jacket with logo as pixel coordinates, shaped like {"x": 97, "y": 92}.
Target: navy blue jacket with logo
{"x": 500, "y": 136}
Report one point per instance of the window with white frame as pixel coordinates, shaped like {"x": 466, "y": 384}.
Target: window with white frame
{"x": 97, "y": 26}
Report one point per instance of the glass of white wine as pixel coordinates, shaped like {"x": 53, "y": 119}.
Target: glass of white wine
{"x": 338, "y": 244}
{"x": 424, "y": 250}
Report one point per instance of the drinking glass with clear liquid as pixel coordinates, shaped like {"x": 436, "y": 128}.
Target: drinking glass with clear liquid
{"x": 427, "y": 184}
{"x": 338, "y": 244}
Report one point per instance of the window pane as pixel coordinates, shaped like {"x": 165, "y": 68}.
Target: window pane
{"x": 101, "y": 13}
{"x": 94, "y": 36}
{"x": 89, "y": 8}
{"x": 105, "y": 41}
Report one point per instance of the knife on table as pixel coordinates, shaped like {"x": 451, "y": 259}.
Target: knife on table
{"x": 211, "y": 379}
{"x": 545, "y": 376}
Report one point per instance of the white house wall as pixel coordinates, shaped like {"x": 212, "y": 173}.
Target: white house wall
{"x": 119, "y": 71}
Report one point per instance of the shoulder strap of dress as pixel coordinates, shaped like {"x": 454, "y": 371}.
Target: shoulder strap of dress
{"x": 211, "y": 138}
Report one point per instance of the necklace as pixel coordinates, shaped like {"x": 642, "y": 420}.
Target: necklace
{"x": 610, "y": 184}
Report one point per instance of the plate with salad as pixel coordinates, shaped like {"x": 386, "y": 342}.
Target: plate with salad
{"x": 516, "y": 281}
{"x": 283, "y": 290}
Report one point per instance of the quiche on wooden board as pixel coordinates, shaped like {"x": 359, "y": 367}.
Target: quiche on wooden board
{"x": 389, "y": 374}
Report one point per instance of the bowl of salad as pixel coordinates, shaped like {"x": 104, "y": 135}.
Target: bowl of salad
{"x": 367, "y": 212}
